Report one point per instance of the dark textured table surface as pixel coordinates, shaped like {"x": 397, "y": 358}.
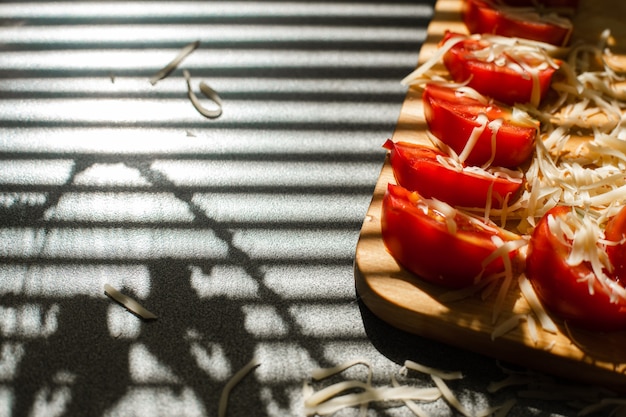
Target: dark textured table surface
{"x": 237, "y": 232}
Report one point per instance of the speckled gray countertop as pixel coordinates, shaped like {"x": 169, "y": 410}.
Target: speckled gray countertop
{"x": 238, "y": 232}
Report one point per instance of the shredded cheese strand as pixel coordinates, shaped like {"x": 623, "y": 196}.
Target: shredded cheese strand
{"x": 449, "y": 396}
{"x": 533, "y": 301}
{"x": 232, "y": 382}
{"x": 426, "y": 66}
{"x": 209, "y": 93}
{"x": 187, "y": 50}
{"x": 322, "y": 373}
{"x": 432, "y": 371}
{"x": 411, "y": 405}
{"x": 132, "y": 305}
{"x": 494, "y": 126}
{"x": 371, "y": 394}
{"x": 474, "y": 136}
{"x": 508, "y": 325}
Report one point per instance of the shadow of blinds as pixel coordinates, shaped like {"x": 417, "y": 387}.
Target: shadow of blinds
{"x": 239, "y": 230}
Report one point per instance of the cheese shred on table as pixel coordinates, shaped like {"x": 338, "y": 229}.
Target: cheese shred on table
{"x": 232, "y": 382}
{"x": 172, "y": 65}
{"x": 356, "y": 393}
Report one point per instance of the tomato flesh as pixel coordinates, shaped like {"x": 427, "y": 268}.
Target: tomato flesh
{"x": 452, "y": 118}
{"x": 486, "y": 16}
{"x": 507, "y": 83}
{"x": 419, "y": 240}
{"x": 559, "y": 287}
{"x": 416, "y": 168}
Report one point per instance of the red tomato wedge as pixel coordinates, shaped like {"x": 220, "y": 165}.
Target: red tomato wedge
{"x": 511, "y": 74}
{"x": 571, "y": 4}
{"x": 487, "y": 16}
{"x": 419, "y": 239}
{"x": 563, "y": 288}
{"x": 616, "y": 232}
{"x": 417, "y": 168}
{"x": 452, "y": 117}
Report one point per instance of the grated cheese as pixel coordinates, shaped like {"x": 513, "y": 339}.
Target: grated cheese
{"x": 509, "y": 324}
{"x": 449, "y": 396}
{"x": 342, "y": 394}
{"x": 488, "y": 202}
{"x": 482, "y": 120}
{"x": 504, "y": 289}
{"x": 419, "y": 72}
{"x": 431, "y": 371}
{"x": 165, "y": 71}
{"x": 412, "y": 405}
{"x": 532, "y": 328}
{"x": 322, "y": 373}
{"x": 353, "y": 393}
{"x": 465, "y": 91}
{"x": 447, "y": 212}
{"x": 232, "y": 382}
{"x": 131, "y": 305}
{"x": 494, "y": 126}
{"x": 209, "y": 93}
{"x": 529, "y": 294}
{"x": 453, "y": 164}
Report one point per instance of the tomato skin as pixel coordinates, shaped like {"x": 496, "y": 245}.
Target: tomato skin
{"x": 486, "y": 16}
{"x": 499, "y": 82}
{"x": 451, "y": 118}
{"x": 616, "y": 232}
{"x": 557, "y": 286}
{"x": 423, "y": 245}
{"x": 416, "y": 168}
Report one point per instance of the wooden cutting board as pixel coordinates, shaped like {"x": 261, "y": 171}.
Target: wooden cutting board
{"x": 408, "y": 303}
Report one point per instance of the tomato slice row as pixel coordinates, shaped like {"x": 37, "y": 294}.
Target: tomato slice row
{"x": 423, "y": 225}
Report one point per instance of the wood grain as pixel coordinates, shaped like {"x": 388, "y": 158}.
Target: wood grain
{"x": 408, "y": 303}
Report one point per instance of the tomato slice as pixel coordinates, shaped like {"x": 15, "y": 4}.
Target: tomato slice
{"x": 417, "y": 168}
{"x": 572, "y": 4}
{"x": 511, "y": 77}
{"x": 452, "y": 117}
{"x": 562, "y": 288}
{"x": 417, "y": 236}
{"x": 615, "y": 231}
{"x": 487, "y": 16}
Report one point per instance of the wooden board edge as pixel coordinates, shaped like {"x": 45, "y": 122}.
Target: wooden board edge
{"x": 507, "y": 350}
